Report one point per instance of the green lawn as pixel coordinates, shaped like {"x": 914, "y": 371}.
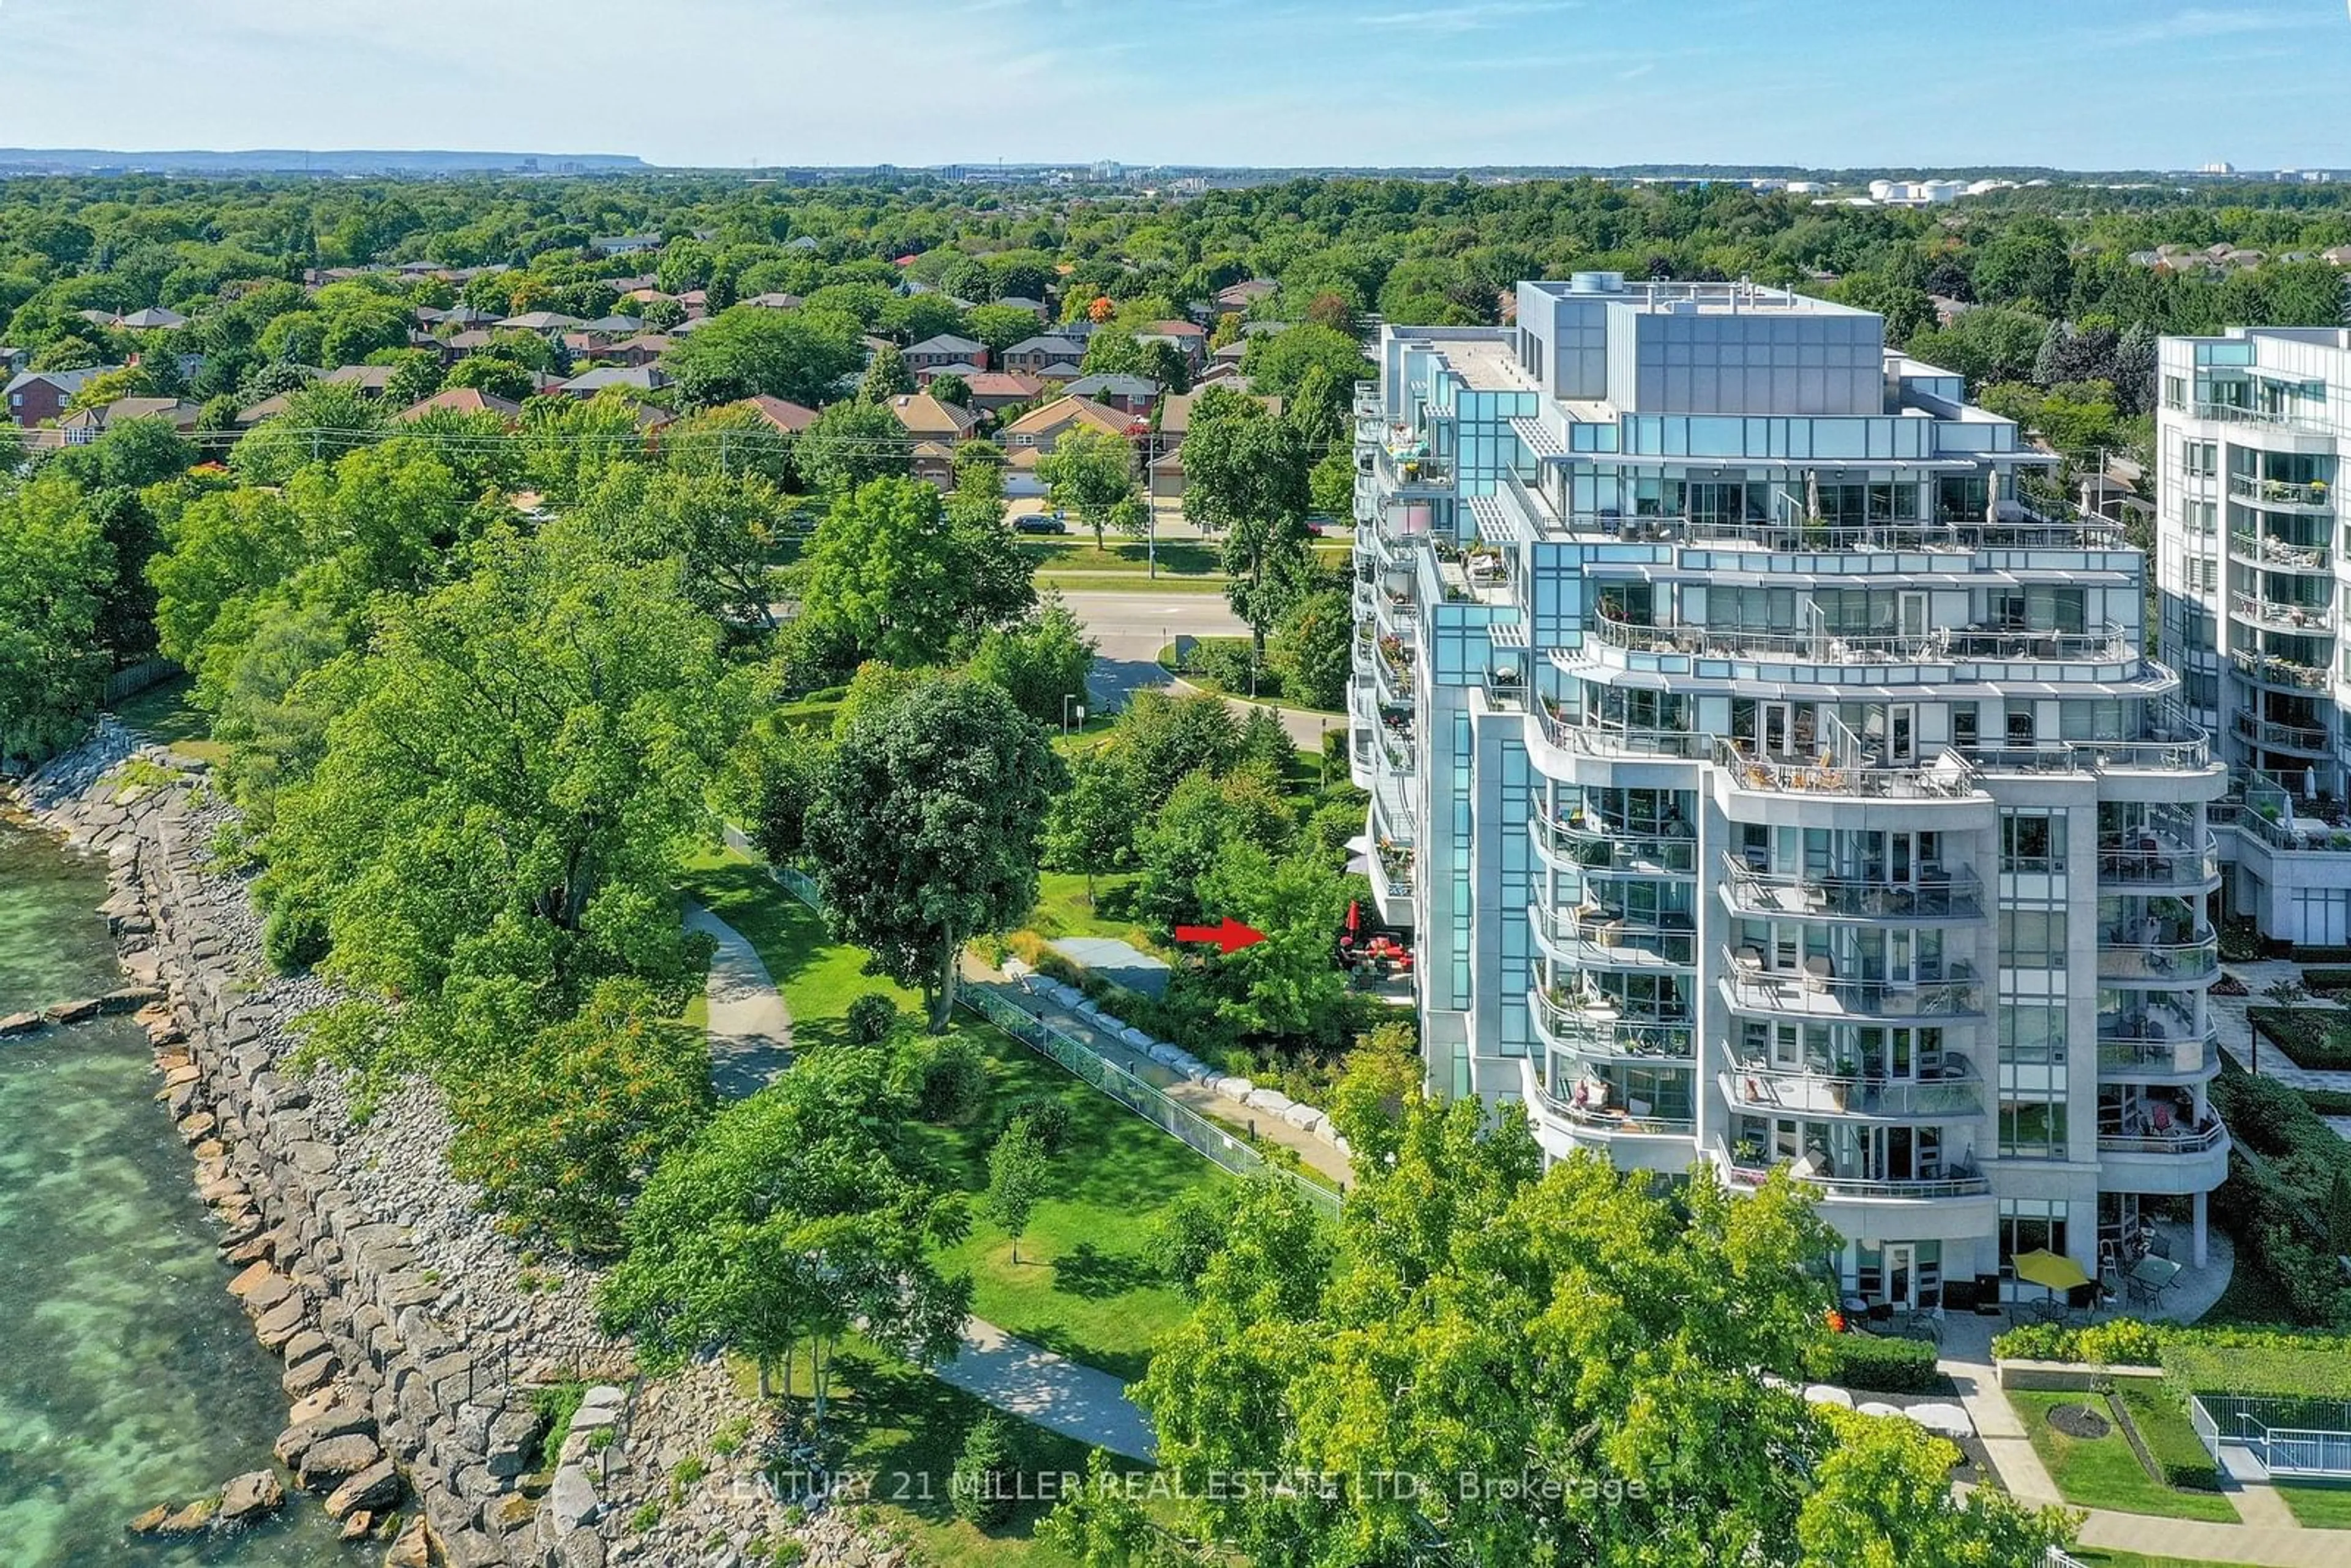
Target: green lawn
{"x": 2099, "y": 1557}
{"x": 2253, "y": 1298}
{"x": 905, "y": 1427}
{"x": 168, "y": 714}
{"x": 1074, "y": 552}
{"x": 2318, "y": 1506}
{"x": 2103, "y": 1473}
{"x": 1062, "y": 909}
{"x": 1083, "y": 1286}
{"x": 1127, "y": 582}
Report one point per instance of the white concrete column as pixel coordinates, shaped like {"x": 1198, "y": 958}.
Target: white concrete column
{"x": 2196, "y": 1248}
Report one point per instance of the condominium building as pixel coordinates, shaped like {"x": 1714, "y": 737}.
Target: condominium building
{"x": 1768, "y": 777}
{"x": 2252, "y": 432}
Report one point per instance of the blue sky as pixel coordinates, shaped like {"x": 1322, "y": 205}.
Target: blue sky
{"x": 2073, "y": 83}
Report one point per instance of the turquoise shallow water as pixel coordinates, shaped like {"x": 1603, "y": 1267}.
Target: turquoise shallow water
{"x": 128, "y": 1377}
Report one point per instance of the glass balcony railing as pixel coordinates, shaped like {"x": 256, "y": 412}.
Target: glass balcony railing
{"x": 1597, "y": 739}
{"x": 2133, "y": 1058}
{"x": 1599, "y": 1115}
{"x": 2277, "y": 554}
{"x": 1759, "y": 1089}
{"x": 1814, "y": 993}
{"x": 2158, "y": 857}
{"x": 2180, "y": 1141}
{"x": 2124, "y": 957}
{"x": 2315, "y": 620}
{"x": 2107, "y": 645}
{"x": 2276, "y": 737}
{"x": 1593, "y": 936}
{"x": 2271, "y": 671}
{"x": 1587, "y": 1024}
{"x": 2279, "y": 491}
{"x": 1740, "y": 1171}
{"x": 1950, "y": 779}
{"x": 2303, "y": 421}
{"x": 1932, "y": 895}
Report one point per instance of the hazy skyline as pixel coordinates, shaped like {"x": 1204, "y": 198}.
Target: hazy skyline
{"x": 2094, "y": 84}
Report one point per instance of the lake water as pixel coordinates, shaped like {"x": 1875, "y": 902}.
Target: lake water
{"x": 128, "y": 1377}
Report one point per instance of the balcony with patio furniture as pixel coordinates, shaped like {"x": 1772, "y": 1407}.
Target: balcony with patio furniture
{"x": 1813, "y": 989}
{"x": 2313, "y": 618}
{"x": 1839, "y": 1090}
{"x": 1867, "y": 1191}
{"x": 2155, "y": 849}
{"x": 2162, "y": 941}
{"x": 2161, "y": 1143}
{"x": 1931, "y": 894}
{"x": 1579, "y": 1019}
{"x": 2271, "y": 553}
{"x": 1601, "y": 936}
{"x": 1596, "y": 1109}
{"x": 2314, "y": 496}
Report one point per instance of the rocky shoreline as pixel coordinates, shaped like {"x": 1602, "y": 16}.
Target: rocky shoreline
{"x": 425, "y": 1352}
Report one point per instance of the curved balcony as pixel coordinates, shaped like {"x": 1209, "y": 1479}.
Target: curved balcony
{"x": 1950, "y": 779}
{"x": 2108, "y": 645}
{"x": 1628, "y": 1136}
{"x": 2278, "y": 674}
{"x": 1952, "y": 1208}
{"x": 1392, "y": 672}
{"x": 1779, "y": 993}
{"x": 1592, "y": 739}
{"x": 2277, "y": 554}
{"x": 2306, "y": 620}
{"x": 1590, "y": 844}
{"x": 1594, "y": 939}
{"x": 2135, "y": 1058}
{"x": 2280, "y": 493}
{"x": 1582, "y": 1024}
{"x": 2271, "y": 736}
{"x": 1932, "y": 899}
{"x": 2159, "y": 963}
{"x": 2154, "y": 860}
{"x": 1759, "y": 1090}
{"x": 2184, "y": 1160}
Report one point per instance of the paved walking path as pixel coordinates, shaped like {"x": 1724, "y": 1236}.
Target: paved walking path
{"x": 750, "y": 1043}
{"x": 1039, "y": 1385}
{"x": 750, "y": 1030}
{"x": 2236, "y": 1033}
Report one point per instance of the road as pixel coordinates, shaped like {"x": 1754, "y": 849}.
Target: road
{"x": 1131, "y": 627}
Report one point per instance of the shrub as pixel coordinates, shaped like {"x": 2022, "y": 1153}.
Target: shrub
{"x": 871, "y": 1017}
{"x": 295, "y": 938}
{"x": 2311, "y": 1036}
{"x": 951, "y": 1082}
{"x": 2124, "y": 1342}
{"x": 2161, "y": 1420}
{"x": 1188, "y": 1233}
{"x": 1881, "y": 1365}
{"x": 555, "y": 1406}
{"x": 1048, "y": 1116}
{"x": 2327, "y": 979}
{"x": 978, "y": 1486}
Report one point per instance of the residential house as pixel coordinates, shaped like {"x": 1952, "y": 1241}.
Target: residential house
{"x": 993, "y": 389}
{"x": 267, "y": 408}
{"x": 1040, "y": 430}
{"x": 1187, "y": 337}
{"x": 1166, "y": 467}
{"x": 545, "y": 321}
{"x": 623, "y": 245}
{"x": 1128, "y": 394}
{"x": 929, "y": 374}
{"x": 152, "y": 320}
{"x": 927, "y": 419}
{"x": 1230, "y": 355}
{"x": 934, "y": 463}
{"x": 946, "y": 349}
{"x": 1021, "y": 302}
{"x": 84, "y": 426}
{"x": 14, "y": 359}
{"x": 628, "y": 378}
{"x": 774, "y": 301}
{"x": 463, "y": 400}
{"x": 35, "y": 397}
{"x": 612, "y": 329}
{"x": 1239, "y": 296}
{"x": 1032, "y": 356}
{"x": 788, "y": 417}
{"x": 372, "y": 380}
{"x": 2336, "y": 255}
{"x": 638, "y": 350}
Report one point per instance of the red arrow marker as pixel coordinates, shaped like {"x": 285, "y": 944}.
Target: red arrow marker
{"x": 1230, "y": 937}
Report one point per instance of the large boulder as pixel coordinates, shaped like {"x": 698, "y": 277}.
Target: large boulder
{"x": 374, "y": 1489}
{"x": 328, "y": 1463}
{"x": 252, "y": 1498}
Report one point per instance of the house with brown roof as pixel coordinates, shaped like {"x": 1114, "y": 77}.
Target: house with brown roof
{"x": 1167, "y": 471}
{"x": 539, "y": 321}
{"x": 1186, "y": 337}
{"x": 1248, "y": 292}
{"x": 1033, "y": 356}
{"x": 774, "y": 301}
{"x": 372, "y": 380}
{"x": 638, "y": 350}
{"x": 463, "y": 400}
{"x": 992, "y": 390}
{"x": 1040, "y": 430}
{"x": 934, "y": 463}
{"x": 786, "y": 415}
{"x": 925, "y": 418}
{"x": 35, "y": 397}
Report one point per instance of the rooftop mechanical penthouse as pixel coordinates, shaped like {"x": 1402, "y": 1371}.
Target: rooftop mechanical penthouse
{"x": 1771, "y": 773}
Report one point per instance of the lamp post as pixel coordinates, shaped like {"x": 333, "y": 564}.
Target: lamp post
{"x": 1069, "y": 703}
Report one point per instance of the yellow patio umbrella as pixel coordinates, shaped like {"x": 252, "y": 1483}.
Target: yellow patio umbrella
{"x": 2053, "y": 1271}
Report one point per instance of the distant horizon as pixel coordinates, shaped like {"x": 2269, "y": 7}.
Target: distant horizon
{"x": 2091, "y": 85}
{"x": 495, "y": 160}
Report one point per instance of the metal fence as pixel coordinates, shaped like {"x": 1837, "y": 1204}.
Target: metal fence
{"x": 1212, "y": 1142}
{"x": 2274, "y": 1430}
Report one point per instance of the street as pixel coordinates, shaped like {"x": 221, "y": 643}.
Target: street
{"x": 1132, "y": 627}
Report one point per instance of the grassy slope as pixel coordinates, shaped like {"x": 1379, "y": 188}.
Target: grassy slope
{"x": 1080, "y": 1286}
{"x": 168, "y": 714}
{"x": 2319, "y": 1507}
{"x": 2105, "y": 1472}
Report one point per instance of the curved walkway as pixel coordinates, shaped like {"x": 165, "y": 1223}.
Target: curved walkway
{"x": 750, "y": 1043}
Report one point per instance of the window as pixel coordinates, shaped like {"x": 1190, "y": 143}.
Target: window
{"x": 2020, "y": 723}
{"x": 2201, "y": 459}
{"x": 2201, "y": 517}
{"x": 2031, "y": 1224}
{"x": 2031, "y": 1129}
{"x": 2032, "y": 1031}
{"x": 2033, "y": 938}
{"x": 2175, "y": 391}
{"x": 2031, "y": 841}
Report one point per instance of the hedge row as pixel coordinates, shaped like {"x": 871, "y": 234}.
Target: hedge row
{"x": 2273, "y": 1361}
{"x": 2327, "y": 979}
{"x": 2307, "y": 1035}
{"x": 1877, "y": 1365}
{"x": 2122, "y": 1341}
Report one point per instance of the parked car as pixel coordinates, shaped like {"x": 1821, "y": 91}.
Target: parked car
{"x": 1041, "y": 523}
